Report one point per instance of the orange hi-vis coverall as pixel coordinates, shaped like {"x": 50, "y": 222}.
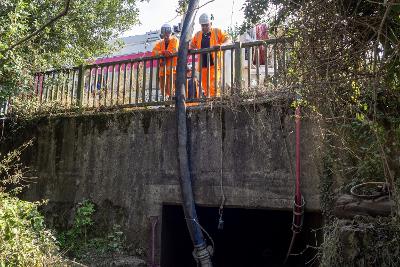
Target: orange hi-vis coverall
{"x": 218, "y": 37}
{"x": 165, "y": 78}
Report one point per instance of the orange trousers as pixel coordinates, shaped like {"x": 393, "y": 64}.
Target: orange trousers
{"x": 213, "y": 91}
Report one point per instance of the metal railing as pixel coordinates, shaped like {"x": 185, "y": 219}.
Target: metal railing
{"x": 4, "y": 105}
{"x": 240, "y": 68}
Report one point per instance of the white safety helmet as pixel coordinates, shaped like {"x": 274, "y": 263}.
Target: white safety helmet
{"x": 166, "y": 28}
{"x": 204, "y": 19}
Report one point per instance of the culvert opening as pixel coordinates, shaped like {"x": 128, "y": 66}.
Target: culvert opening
{"x": 250, "y": 237}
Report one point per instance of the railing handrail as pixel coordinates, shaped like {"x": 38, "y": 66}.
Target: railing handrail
{"x": 144, "y": 81}
{"x": 191, "y": 52}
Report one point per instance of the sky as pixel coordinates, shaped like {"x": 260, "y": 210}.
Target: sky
{"x": 155, "y": 13}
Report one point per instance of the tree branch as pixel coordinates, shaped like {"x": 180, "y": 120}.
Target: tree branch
{"x": 48, "y": 23}
{"x": 197, "y": 8}
{"x": 205, "y": 4}
{"x": 389, "y": 6}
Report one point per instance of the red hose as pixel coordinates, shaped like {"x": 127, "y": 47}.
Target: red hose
{"x": 298, "y": 209}
{"x": 298, "y": 198}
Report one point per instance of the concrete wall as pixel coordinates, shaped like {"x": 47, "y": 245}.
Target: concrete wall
{"x": 126, "y": 162}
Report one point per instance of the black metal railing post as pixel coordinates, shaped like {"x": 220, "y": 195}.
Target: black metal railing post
{"x": 81, "y": 85}
{"x": 238, "y": 67}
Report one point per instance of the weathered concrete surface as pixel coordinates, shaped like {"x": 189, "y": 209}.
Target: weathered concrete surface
{"x": 126, "y": 162}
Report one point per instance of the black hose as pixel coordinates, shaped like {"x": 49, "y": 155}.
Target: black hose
{"x": 201, "y": 253}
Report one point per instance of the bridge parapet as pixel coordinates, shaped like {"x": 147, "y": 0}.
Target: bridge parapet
{"x": 245, "y": 70}
{"x": 127, "y": 161}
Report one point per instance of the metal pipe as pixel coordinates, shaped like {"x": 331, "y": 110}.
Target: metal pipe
{"x": 216, "y": 78}
{"x": 95, "y": 81}
{"x": 106, "y": 87}
{"x": 200, "y": 75}
{"x": 193, "y": 75}
{"x": 171, "y": 77}
{"x": 158, "y": 80}
{"x": 53, "y": 77}
{"x": 223, "y": 73}
{"x": 208, "y": 75}
{"x": 232, "y": 70}
{"x": 118, "y": 82}
{"x": 130, "y": 84}
{"x": 137, "y": 83}
{"x": 298, "y": 167}
{"x": 275, "y": 70}
{"x": 101, "y": 84}
{"x": 112, "y": 85}
{"x": 258, "y": 65}
{"x": 154, "y": 222}
{"x": 42, "y": 88}
{"x": 65, "y": 94}
{"x": 62, "y": 86}
{"x": 73, "y": 87}
{"x": 144, "y": 82}
{"x": 89, "y": 87}
{"x": 36, "y": 85}
{"x": 164, "y": 79}
{"x": 266, "y": 61}
{"x": 151, "y": 81}
{"x": 124, "y": 86}
{"x": 249, "y": 58}
{"x": 57, "y": 85}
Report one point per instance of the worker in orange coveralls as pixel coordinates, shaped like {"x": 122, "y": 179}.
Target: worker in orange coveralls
{"x": 167, "y": 47}
{"x": 206, "y": 38}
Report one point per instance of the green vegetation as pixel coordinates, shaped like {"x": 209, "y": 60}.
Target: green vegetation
{"x": 345, "y": 64}
{"x": 362, "y": 242}
{"x": 76, "y": 237}
{"x": 24, "y": 238}
{"x": 37, "y": 35}
{"x": 82, "y": 240}
{"x": 82, "y": 33}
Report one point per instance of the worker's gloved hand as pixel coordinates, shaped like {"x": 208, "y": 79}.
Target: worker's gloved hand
{"x": 167, "y": 53}
{"x": 218, "y": 46}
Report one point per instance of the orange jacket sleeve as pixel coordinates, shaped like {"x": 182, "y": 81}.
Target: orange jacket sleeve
{"x": 174, "y": 45}
{"x": 157, "y": 49}
{"x": 195, "y": 41}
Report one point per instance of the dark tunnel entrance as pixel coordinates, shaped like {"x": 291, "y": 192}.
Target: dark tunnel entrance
{"x": 250, "y": 238}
